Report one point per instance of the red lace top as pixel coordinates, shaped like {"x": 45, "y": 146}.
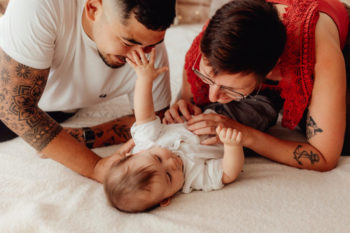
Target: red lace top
{"x": 297, "y": 61}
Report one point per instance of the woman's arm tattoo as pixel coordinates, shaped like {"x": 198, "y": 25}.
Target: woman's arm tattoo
{"x": 303, "y": 154}
{"x": 311, "y": 127}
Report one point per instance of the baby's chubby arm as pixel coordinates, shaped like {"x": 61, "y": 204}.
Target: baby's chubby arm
{"x": 233, "y": 160}
{"x": 146, "y": 73}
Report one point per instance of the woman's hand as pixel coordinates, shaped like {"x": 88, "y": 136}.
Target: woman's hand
{"x": 180, "y": 108}
{"x": 206, "y": 124}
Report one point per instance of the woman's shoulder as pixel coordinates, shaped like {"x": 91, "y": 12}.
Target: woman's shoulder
{"x": 326, "y": 27}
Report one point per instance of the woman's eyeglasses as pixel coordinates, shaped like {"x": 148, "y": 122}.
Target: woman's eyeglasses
{"x": 227, "y": 90}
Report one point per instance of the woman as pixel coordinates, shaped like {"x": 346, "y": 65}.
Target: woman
{"x": 295, "y": 48}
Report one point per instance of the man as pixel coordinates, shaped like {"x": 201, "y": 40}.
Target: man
{"x": 58, "y": 56}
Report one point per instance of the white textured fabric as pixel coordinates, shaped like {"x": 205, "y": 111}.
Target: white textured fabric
{"x": 202, "y": 164}
{"x": 42, "y": 196}
{"x": 49, "y": 34}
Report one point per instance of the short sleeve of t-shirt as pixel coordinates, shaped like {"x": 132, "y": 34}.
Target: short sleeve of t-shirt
{"x": 161, "y": 85}
{"x": 30, "y": 38}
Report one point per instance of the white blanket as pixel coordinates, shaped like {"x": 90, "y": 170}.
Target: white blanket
{"x": 42, "y": 196}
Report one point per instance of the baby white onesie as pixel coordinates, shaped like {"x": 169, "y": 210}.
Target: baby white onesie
{"x": 202, "y": 164}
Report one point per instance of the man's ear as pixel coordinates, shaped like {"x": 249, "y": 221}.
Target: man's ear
{"x": 165, "y": 202}
{"x": 92, "y": 7}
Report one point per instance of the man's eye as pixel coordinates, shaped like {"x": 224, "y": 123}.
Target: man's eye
{"x": 127, "y": 45}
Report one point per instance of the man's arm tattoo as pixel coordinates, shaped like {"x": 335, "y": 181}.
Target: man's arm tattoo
{"x": 121, "y": 133}
{"x": 311, "y": 127}
{"x": 40, "y": 135}
{"x": 20, "y": 92}
{"x": 77, "y": 133}
{"x": 110, "y": 133}
{"x": 303, "y": 154}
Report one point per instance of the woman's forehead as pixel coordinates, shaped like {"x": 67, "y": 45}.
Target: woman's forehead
{"x": 207, "y": 69}
{"x": 236, "y": 81}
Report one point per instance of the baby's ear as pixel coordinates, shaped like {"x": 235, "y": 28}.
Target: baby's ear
{"x": 165, "y": 202}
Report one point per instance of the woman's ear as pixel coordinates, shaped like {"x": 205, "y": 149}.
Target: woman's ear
{"x": 165, "y": 202}
{"x": 275, "y": 73}
{"x": 205, "y": 60}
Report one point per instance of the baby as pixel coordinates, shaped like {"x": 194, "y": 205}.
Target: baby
{"x": 167, "y": 158}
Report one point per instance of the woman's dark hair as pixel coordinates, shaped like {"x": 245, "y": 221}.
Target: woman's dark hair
{"x": 244, "y": 36}
{"x": 155, "y": 15}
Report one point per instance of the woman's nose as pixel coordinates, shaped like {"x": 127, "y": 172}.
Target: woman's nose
{"x": 214, "y": 93}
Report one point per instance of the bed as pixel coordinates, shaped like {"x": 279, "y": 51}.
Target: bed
{"x": 42, "y": 196}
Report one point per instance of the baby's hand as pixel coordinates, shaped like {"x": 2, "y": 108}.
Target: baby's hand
{"x": 229, "y": 136}
{"x": 145, "y": 68}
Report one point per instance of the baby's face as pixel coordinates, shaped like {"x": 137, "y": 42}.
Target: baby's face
{"x": 170, "y": 167}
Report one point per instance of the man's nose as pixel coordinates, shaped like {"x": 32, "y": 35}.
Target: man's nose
{"x": 131, "y": 49}
{"x": 147, "y": 49}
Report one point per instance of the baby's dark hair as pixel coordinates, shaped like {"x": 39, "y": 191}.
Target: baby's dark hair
{"x": 123, "y": 186}
{"x": 244, "y": 36}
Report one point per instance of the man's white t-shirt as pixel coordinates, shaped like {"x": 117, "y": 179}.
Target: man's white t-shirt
{"x": 49, "y": 34}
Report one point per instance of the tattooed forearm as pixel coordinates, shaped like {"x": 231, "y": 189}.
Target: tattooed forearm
{"x": 5, "y": 76}
{"x": 303, "y": 154}
{"x": 113, "y": 132}
{"x": 311, "y": 127}
{"x": 109, "y": 133}
{"x": 123, "y": 131}
{"x": 20, "y": 92}
{"x": 42, "y": 134}
{"x": 77, "y": 133}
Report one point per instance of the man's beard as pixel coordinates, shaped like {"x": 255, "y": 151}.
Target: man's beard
{"x": 113, "y": 66}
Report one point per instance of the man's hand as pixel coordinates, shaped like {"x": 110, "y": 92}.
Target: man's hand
{"x": 103, "y": 165}
{"x": 125, "y": 148}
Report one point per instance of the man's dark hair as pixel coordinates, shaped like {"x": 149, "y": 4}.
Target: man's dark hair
{"x": 156, "y": 15}
{"x": 244, "y": 36}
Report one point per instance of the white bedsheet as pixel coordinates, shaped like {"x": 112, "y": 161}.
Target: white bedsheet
{"x": 40, "y": 195}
